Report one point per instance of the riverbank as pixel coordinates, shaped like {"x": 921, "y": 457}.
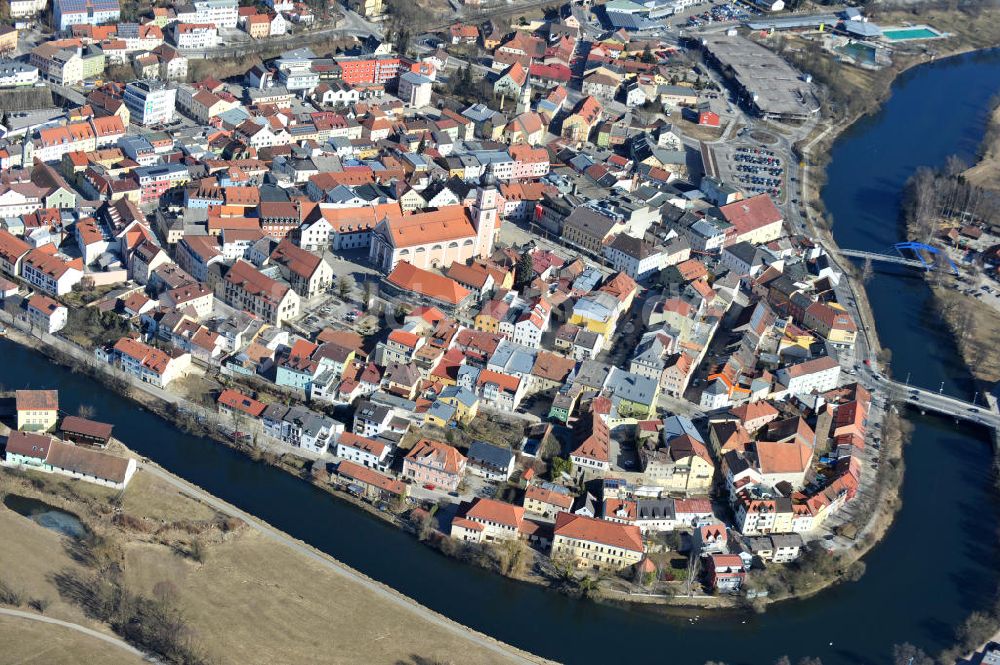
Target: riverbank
{"x": 979, "y": 622}
{"x": 180, "y": 414}
{"x": 974, "y": 325}
{"x": 481, "y": 558}
{"x": 211, "y": 562}
{"x": 874, "y": 87}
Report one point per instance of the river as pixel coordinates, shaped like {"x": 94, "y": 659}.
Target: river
{"x": 936, "y": 564}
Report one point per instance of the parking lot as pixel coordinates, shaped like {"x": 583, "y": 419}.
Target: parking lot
{"x": 722, "y": 12}
{"x": 758, "y": 170}
{"x": 329, "y": 312}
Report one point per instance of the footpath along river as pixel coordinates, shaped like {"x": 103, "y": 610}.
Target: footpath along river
{"x": 937, "y": 563}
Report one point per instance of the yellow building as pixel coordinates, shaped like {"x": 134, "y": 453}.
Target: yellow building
{"x": 796, "y": 337}
{"x": 464, "y": 401}
{"x": 258, "y": 26}
{"x": 490, "y": 316}
{"x": 832, "y": 322}
{"x": 367, "y": 8}
{"x": 437, "y": 417}
{"x": 37, "y": 410}
{"x": 597, "y": 312}
{"x": 8, "y": 39}
{"x": 597, "y": 544}
{"x": 369, "y": 151}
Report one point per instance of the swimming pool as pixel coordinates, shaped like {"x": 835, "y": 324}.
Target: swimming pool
{"x": 907, "y": 34}
{"x": 862, "y": 53}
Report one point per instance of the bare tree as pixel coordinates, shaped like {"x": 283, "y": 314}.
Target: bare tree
{"x": 867, "y": 271}
{"x": 954, "y": 165}
{"x": 907, "y": 654}
{"x": 344, "y": 286}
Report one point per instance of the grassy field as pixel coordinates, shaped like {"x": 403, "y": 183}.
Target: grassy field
{"x": 976, "y": 329}
{"x": 986, "y": 173}
{"x": 28, "y": 555}
{"x": 248, "y": 599}
{"x": 32, "y": 643}
{"x": 151, "y": 498}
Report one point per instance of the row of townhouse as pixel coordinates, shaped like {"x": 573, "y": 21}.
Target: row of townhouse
{"x": 145, "y": 363}
{"x": 588, "y": 542}
{"x": 42, "y": 268}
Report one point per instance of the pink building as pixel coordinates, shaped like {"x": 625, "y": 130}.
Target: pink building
{"x": 435, "y": 463}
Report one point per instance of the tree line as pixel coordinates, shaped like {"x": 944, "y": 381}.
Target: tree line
{"x": 932, "y": 196}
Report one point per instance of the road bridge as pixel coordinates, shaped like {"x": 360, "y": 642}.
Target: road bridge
{"x": 936, "y": 402}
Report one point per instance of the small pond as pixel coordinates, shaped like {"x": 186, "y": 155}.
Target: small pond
{"x": 45, "y": 515}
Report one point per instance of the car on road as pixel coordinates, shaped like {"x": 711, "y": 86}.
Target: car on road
{"x": 430, "y": 486}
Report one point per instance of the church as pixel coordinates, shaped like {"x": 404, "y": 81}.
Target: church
{"x": 438, "y": 238}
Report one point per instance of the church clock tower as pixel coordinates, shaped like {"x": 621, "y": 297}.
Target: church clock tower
{"x": 484, "y": 217}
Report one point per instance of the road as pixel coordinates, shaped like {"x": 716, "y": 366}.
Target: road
{"x": 108, "y": 639}
{"x": 341, "y": 570}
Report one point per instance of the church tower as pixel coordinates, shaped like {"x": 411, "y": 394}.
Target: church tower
{"x": 484, "y": 217}
{"x": 524, "y": 99}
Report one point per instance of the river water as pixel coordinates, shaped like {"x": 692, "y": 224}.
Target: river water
{"x": 937, "y": 563}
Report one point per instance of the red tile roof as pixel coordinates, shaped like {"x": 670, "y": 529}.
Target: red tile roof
{"x": 491, "y": 510}
{"x": 437, "y": 454}
{"x": 751, "y": 214}
{"x": 28, "y": 445}
{"x": 551, "y": 497}
{"x": 503, "y": 381}
{"x": 297, "y": 260}
{"x": 37, "y": 400}
{"x": 580, "y": 527}
{"x": 352, "y": 440}
{"x": 444, "y": 224}
{"x": 363, "y": 474}
{"x": 410, "y": 278}
{"x": 238, "y": 401}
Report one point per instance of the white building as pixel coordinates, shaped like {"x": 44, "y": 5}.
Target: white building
{"x": 640, "y": 259}
{"x": 415, "y": 90}
{"x": 220, "y": 13}
{"x": 145, "y": 363}
{"x": 49, "y": 273}
{"x": 26, "y": 8}
{"x": 195, "y": 35}
{"x": 14, "y": 74}
{"x": 46, "y": 314}
{"x": 816, "y": 375}
{"x": 150, "y": 102}
{"x": 43, "y": 453}
{"x": 66, "y": 13}
{"x": 362, "y": 450}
